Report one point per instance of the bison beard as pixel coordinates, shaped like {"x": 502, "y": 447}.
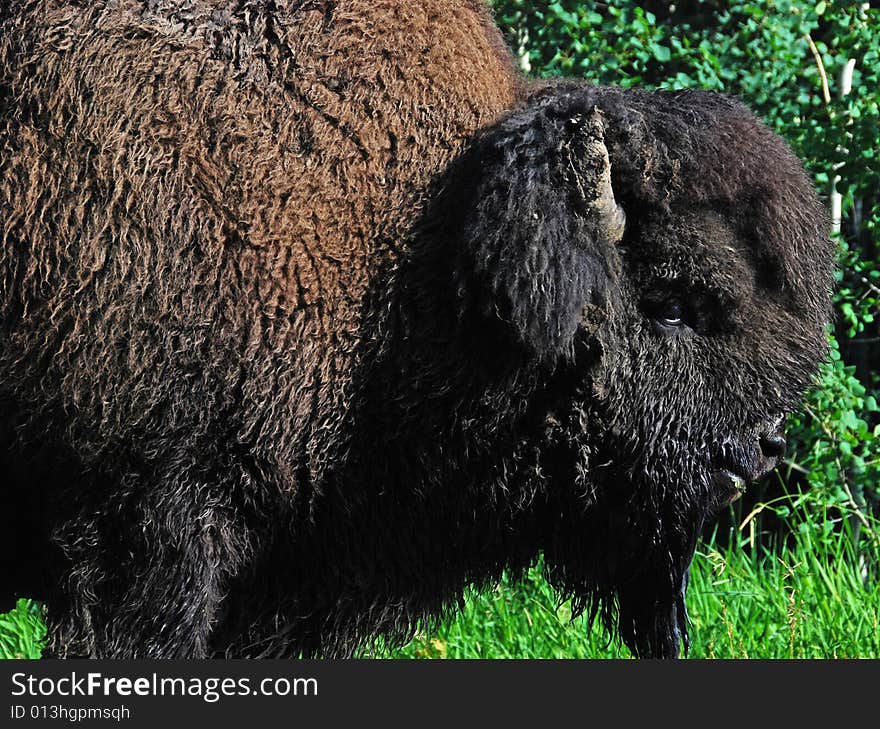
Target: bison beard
{"x": 293, "y": 355}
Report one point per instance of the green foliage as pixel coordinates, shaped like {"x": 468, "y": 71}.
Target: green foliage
{"x": 838, "y": 450}
{"x": 22, "y": 631}
{"x": 783, "y": 58}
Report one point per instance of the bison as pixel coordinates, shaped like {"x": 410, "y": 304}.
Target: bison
{"x": 316, "y": 313}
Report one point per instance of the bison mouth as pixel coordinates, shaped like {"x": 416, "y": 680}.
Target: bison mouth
{"x": 730, "y": 483}
{"x": 731, "y": 477}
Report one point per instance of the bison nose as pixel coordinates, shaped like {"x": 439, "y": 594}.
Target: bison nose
{"x": 773, "y": 446}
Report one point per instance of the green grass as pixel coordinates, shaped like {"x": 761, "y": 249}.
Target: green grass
{"x": 22, "y": 632}
{"x": 806, "y": 601}
{"x": 810, "y": 600}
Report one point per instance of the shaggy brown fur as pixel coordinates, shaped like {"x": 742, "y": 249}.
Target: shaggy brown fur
{"x": 292, "y": 353}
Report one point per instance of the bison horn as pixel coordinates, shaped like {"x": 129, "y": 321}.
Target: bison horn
{"x": 594, "y": 181}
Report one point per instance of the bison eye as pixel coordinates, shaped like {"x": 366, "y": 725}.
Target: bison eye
{"x": 670, "y": 314}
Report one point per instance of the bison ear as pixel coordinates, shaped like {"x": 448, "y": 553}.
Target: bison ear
{"x": 537, "y": 225}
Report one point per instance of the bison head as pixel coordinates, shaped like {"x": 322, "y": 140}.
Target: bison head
{"x": 661, "y": 259}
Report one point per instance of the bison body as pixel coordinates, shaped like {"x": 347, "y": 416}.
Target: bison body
{"x": 315, "y": 313}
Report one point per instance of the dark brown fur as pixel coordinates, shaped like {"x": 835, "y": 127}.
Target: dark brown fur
{"x": 280, "y": 369}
